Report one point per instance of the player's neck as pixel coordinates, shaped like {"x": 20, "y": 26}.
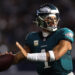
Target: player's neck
{"x": 45, "y": 33}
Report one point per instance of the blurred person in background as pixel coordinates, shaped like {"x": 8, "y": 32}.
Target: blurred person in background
{"x": 51, "y": 47}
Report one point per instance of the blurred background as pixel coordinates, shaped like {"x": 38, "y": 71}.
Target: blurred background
{"x": 16, "y": 21}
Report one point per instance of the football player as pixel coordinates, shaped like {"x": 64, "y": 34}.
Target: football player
{"x": 51, "y": 47}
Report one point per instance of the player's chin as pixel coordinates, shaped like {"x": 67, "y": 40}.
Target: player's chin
{"x": 6, "y": 61}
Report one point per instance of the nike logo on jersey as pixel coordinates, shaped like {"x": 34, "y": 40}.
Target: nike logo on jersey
{"x": 44, "y": 46}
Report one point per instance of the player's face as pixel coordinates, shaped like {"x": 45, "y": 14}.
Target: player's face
{"x": 51, "y": 20}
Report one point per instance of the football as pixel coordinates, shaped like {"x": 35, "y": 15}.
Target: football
{"x": 5, "y": 61}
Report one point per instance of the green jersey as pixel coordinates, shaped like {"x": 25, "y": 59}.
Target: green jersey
{"x": 38, "y": 43}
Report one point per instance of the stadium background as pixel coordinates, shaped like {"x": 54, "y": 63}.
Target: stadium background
{"x": 16, "y": 21}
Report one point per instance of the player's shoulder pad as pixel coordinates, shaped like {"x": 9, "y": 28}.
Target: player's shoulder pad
{"x": 67, "y": 33}
{"x": 30, "y": 34}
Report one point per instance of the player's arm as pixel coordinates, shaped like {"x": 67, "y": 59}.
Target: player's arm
{"x": 58, "y": 51}
{"x": 19, "y": 55}
{"x": 61, "y": 48}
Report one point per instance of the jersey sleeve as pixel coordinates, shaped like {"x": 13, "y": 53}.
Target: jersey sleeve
{"x": 67, "y": 34}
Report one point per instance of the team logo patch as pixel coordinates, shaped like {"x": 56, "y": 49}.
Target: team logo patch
{"x": 69, "y": 34}
{"x": 36, "y": 42}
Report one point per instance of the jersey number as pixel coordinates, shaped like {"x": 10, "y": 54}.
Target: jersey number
{"x": 45, "y": 63}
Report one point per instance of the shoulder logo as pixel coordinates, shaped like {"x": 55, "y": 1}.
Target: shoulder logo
{"x": 36, "y": 42}
{"x": 69, "y": 34}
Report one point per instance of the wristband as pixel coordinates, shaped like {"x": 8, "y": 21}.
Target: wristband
{"x": 52, "y": 56}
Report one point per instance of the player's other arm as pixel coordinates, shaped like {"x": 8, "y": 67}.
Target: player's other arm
{"x": 61, "y": 48}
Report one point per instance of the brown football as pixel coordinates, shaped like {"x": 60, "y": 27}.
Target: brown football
{"x": 5, "y": 61}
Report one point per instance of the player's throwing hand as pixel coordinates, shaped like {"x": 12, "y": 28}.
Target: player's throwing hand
{"x": 21, "y": 49}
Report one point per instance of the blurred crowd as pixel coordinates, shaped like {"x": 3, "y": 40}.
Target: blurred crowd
{"x": 15, "y": 22}
{"x": 16, "y": 19}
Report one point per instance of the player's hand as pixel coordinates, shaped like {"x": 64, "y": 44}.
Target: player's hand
{"x": 21, "y": 49}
